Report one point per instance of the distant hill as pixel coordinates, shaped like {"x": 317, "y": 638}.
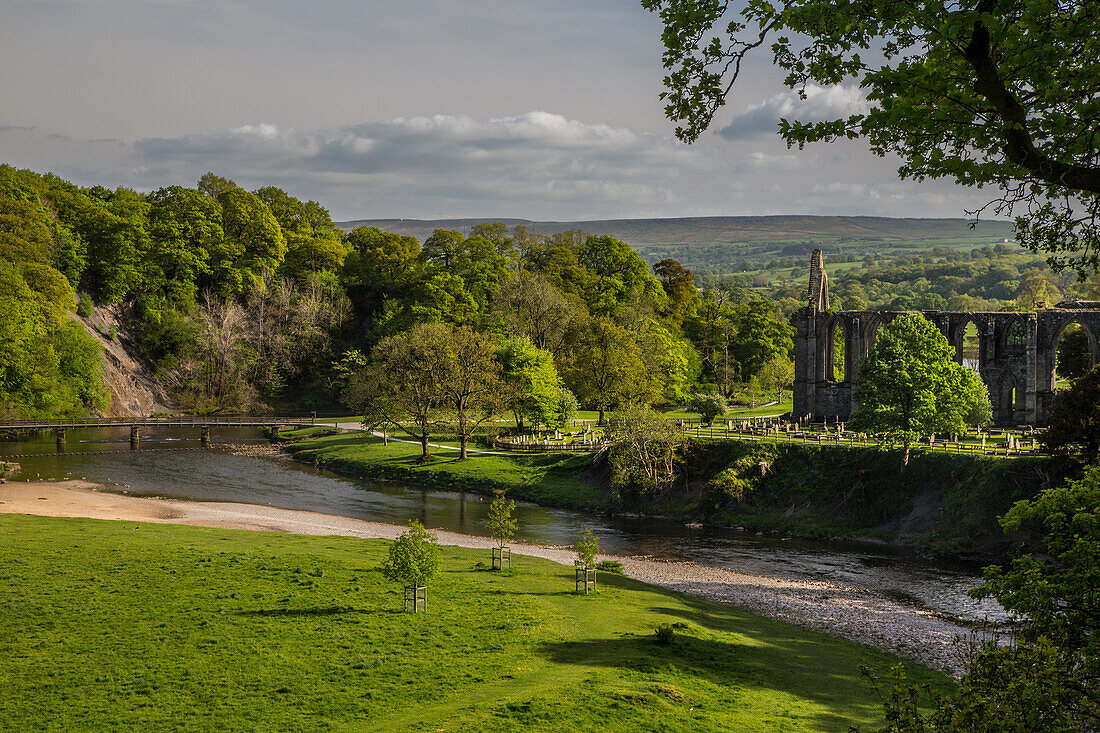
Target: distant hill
{"x": 724, "y": 242}
{"x": 725, "y": 229}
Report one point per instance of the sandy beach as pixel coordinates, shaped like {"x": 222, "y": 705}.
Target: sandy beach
{"x": 847, "y": 611}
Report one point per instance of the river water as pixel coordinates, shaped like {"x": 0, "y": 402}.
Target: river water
{"x": 171, "y": 463}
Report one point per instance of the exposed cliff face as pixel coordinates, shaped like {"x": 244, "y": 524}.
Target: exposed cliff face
{"x": 130, "y": 381}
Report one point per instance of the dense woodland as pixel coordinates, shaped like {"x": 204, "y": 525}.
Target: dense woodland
{"x": 255, "y": 299}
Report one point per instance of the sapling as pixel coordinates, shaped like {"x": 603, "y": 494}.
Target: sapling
{"x": 587, "y": 547}
{"x": 413, "y": 560}
{"x": 502, "y": 528}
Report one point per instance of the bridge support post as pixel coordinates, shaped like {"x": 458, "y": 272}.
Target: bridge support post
{"x": 135, "y": 437}
{"x": 204, "y": 435}
{"x": 60, "y": 434}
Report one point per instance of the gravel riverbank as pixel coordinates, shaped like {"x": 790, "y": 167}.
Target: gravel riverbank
{"x": 847, "y": 611}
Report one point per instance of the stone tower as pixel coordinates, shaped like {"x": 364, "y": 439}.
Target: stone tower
{"x": 819, "y": 283}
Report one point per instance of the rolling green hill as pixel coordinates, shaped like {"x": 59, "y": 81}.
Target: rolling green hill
{"x": 729, "y": 244}
{"x": 646, "y": 233}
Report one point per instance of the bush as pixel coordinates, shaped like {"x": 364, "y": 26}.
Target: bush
{"x": 664, "y": 634}
{"x": 709, "y": 406}
{"x": 610, "y": 566}
{"x": 85, "y": 305}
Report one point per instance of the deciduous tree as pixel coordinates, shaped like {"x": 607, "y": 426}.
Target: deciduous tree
{"x": 414, "y": 558}
{"x": 471, "y": 382}
{"x": 910, "y": 385}
{"x": 403, "y": 386}
{"x": 983, "y": 92}
{"x": 606, "y": 368}
{"x": 709, "y": 406}
{"x": 643, "y": 455}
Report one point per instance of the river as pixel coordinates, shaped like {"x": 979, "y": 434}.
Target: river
{"x": 171, "y": 463}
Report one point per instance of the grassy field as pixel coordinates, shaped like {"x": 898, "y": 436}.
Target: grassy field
{"x": 554, "y": 479}
{"x": 110, "y": 626}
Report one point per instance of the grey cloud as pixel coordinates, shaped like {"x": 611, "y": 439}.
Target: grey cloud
{"x": 537, "y": 165}
{"x": 537, "y": 155}
{"x": 820, "y": 104}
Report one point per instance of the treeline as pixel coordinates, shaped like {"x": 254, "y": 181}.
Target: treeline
{"x": 247, "y": 299}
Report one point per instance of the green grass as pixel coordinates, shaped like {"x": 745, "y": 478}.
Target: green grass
{"x": 127, "y": 626}
{"x": 736, "y": 413}
{"x": 555, "y": 479}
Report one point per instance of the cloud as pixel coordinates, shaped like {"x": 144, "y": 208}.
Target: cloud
{"x": 821, "y": 103}
{"x": 538, "y": 156}
{"x": 537, "y": 165}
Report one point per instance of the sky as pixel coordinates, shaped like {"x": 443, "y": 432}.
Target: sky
{"x": 534, "y": 109}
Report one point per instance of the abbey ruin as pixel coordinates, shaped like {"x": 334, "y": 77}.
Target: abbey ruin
{"x": 1016, "y": 352}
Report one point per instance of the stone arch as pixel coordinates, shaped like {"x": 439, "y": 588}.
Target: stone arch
{"x": 957, "y": 338}
{"x": 838, "y": 366}
{"x": 1010, "y": 397}
{"x": 1013, "y": 340}
{"x": 873, "y": 322}
{"x": 1057, "y": 333}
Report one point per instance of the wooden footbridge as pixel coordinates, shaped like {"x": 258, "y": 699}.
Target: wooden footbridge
{"x": 203, "y": 422}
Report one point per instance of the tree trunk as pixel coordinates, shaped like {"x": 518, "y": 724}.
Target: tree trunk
{"x": 426, "y": 453}
{"x": 462, "y": 440}
{"x": 600, "y": 423}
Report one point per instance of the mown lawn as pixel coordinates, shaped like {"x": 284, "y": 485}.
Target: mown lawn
{"x": 108, "y": 626}
{"x": 556, "y": 479}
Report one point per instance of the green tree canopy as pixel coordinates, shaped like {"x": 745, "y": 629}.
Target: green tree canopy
{"x": 613, "y": 274}
{"x": 253, "y": 242}
{"x": 911, "y": 386}
{"x": 414, "y": 557}
{"x": 1074, "y": 420}
{"x": 981, "y": 91}
{"x": 313, "y": 242}
{"x": 474, "y": 260}
{"x": 679, "y": 285}
{"x": 709, "y": 406}
{"x": 185, "y": 227}
{"x": 606, "y": 370}
{"x": 379, "y": 272}
{"x": 530, "y": 381}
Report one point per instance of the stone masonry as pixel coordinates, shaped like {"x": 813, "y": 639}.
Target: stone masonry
{"x": 1015, "y": 352}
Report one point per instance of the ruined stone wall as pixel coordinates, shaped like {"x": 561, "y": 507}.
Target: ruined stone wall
{"x": 1016, "y": 353}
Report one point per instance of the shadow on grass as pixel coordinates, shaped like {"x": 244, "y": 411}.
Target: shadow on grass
{"x": 782, "y": 665}
{"x": 294, "y": 612}
{"x": 765, "y": 655}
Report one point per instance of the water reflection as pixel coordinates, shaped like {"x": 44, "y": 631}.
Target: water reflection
{"x": 171, "y": 463}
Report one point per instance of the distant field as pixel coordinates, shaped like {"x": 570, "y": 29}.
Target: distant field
{"x": 737, "y": 230}
{"x": 721, "y": 246}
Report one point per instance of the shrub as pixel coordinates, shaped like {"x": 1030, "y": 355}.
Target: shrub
{"x": 709, "y": 406}
{"x": 664, "y": 634}
{"x": 85, "y": 305}
{"x": 610, "y": 566}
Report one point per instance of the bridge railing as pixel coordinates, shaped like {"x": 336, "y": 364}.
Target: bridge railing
{"x": 153, "y": 421}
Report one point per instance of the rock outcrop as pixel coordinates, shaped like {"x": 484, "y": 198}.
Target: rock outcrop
{"x": 133, "y": 387}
